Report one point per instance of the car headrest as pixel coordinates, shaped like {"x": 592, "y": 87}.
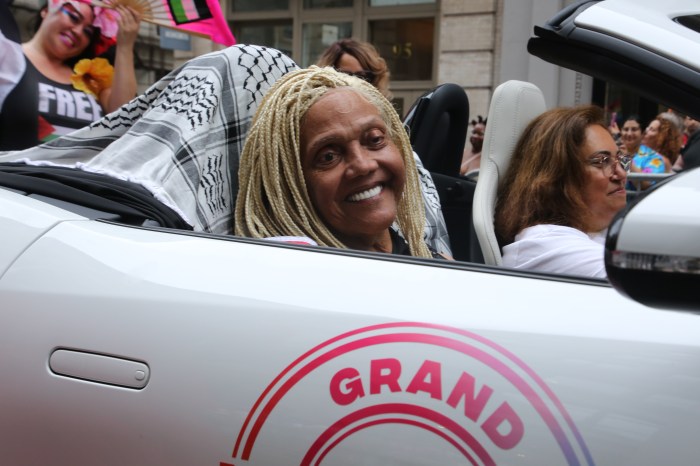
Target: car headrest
{"x": 437, "y": 125}
{"x": 513, "y": 105}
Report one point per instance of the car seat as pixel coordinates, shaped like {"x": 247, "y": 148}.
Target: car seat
{"x": 437, "y": 125}
{"x": 513, "y": 105}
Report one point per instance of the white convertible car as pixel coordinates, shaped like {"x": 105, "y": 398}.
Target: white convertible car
{"x": 125, "y": 344}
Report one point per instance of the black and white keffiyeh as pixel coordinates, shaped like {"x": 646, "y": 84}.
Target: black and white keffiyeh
{"x": 435, "y": 233}
{"x": 183, "y": 137}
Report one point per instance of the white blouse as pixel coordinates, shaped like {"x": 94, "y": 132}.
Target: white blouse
{"x": 557, "y": 249}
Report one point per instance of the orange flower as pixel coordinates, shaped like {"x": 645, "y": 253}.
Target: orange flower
{"x": 92, "y": 76}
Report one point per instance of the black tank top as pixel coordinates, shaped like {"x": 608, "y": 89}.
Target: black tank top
{"x": 39, "y": 109}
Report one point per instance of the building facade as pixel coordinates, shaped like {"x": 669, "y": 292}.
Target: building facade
{"x": 477, "y": 44}
{"x": 425, "y": 42}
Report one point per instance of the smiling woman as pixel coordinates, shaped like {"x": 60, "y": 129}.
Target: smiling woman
{"x": 353, "y": 170}
{"x": 564, "y": 186}
{"x": 327, "y": 158}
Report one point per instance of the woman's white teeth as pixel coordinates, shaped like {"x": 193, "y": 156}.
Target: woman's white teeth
{"x": 365, "y": 194}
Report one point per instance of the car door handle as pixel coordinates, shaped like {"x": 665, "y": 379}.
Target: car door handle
{"x": 99, "y": 368}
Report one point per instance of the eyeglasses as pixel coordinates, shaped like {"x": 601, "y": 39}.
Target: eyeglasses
{"x": 76, "y": 19}
{"x": 367, "y": 75}
{"x": 607, "y": 162}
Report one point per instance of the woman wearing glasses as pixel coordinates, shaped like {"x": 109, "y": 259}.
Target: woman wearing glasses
{"x": 51, "y": 90}
{"x": 359, "y": 59}
{"x": 565, "y": 184}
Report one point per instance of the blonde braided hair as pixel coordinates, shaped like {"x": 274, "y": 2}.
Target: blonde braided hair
{"x": 273, "y": 199}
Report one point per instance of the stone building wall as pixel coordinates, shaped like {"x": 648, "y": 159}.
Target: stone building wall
{"x": 467, "y": 48}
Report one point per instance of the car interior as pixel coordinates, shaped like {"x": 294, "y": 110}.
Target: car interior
{"x": 437, "y": 125}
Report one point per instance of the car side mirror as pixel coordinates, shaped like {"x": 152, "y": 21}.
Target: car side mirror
{"x": 652, "y": 252}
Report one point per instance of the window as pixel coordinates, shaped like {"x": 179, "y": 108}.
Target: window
{"x": 273, "y": 33}
{"x": 407, "y": 47}
{"x": 309, "y": 4}
{"x": 258, "y": 5}
{"x": 403, "y": 31}
{"x": 398, "y": 2}
{"x": 316, "y": 37}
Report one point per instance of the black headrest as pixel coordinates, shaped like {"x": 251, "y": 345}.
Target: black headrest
{"x": 437, "y": 126}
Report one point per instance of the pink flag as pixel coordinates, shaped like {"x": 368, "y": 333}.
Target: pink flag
{"x": 212, "y": 24}
{"x": 198, "y": 17}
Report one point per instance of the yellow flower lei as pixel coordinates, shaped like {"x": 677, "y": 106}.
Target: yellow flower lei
{"x": 92, "y": 76}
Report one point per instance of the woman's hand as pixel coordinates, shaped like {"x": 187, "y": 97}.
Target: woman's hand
{"x": 129, "y": 21}
{"x": 124, "y": 82}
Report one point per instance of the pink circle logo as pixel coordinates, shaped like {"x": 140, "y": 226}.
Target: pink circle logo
{"x": 409, "y": 393}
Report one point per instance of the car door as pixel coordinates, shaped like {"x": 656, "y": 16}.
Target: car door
{"x": 131, "y": 345}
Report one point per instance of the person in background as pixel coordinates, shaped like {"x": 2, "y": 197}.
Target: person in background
{"x": 565, "y": 183}
{"x": 471, "y": 160}
{"x": 677, "y": 121}
{"x": 690, "y": 155}
{"x": 327, "y": 158}
{"x": 359, "y": 59}
{"x": 62, "y": 87}
{"x": 644, "y": 159}
{"x": 663, "y": 137}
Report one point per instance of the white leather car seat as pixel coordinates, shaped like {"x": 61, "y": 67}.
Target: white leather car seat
{"x": 513, "y": 106}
